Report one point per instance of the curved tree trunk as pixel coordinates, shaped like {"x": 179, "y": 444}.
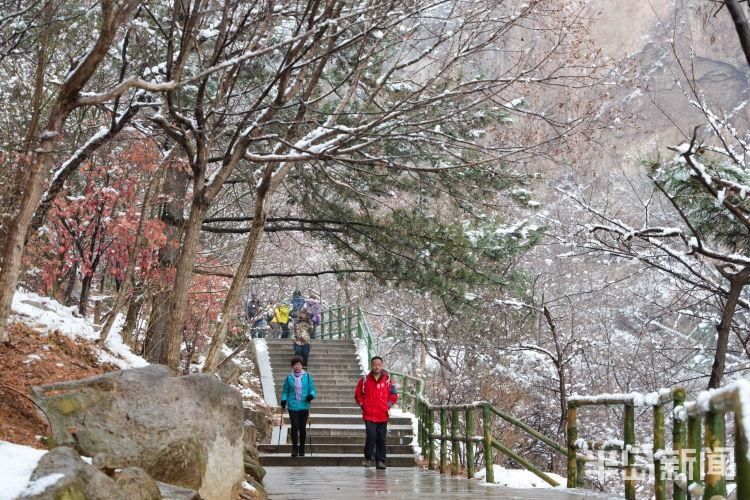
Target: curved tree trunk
{"x": 736, "y": 283}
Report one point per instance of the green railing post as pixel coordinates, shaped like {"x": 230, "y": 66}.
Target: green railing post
{"x": 469, "y": 422}
{"x": 714, "y": 445}
{"x": 572, "y": 435}
{"x": 454, "y": 442}
{"x": 340, "y": 321}
{"x": 660, "y": 490}
{"x": 349, "y": 315}
{"x": 330, "y": 322}
{"x": 431, "y": 427}
{"x": 405, "y": 392}
{"x": 694, "y": 446}
{"x": 489, "y": 463}
{"x": 443, "y": 440}
{"x": 742, "y": 474}
{"x": 629, "y": 438}
{"x": 323, "y": 316}
{"x": 425, "y": 429}
{"x": 679, "y": 441}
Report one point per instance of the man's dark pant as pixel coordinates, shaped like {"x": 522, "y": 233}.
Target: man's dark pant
{"x": 299, "y": 421}
{"x": 304, "y": 351}
{"x": 375, "y": 441}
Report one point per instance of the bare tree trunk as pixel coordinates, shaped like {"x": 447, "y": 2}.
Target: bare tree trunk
{"x": 262, "y": 203}
{"x": 130, "y": 321}
{"x": 183, "y": 279}
{"x": 12, "y": 252}
{"x": 84, "y": 299}
{"x": 740, "y": 25}
{"x": 736, "y": 283}
{"x": 176, "y": 183}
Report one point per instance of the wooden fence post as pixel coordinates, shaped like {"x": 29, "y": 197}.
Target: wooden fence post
{"x": 431, "y": 427}
{"x": 469, "y": 421}
{"x": 679, "y": 440}
{"x": 443, "y": 440}
{"x": 572, "y": 435}
{"x": 694, "y": 446}
{"x": 454, "y": 442}
{"x": 660, "y": 490}
{"x": 714, "y": 444}
{"x": 629, "y": 439}
{"x": 742, "y": 474}
{"x": 489, "y": 463}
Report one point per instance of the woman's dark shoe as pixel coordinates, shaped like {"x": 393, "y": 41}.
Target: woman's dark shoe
{"x": 380, "y": 465}
{"x": 294, "y": 453}
{"x": 302, "y": 452}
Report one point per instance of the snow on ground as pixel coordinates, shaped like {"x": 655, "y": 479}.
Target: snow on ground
{"x": 43, "y": 313}
{"x": 16, "y": 463}
{"x": 518, "y": 478}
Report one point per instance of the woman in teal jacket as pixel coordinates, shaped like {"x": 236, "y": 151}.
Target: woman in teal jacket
{"x": 298, "y": 392}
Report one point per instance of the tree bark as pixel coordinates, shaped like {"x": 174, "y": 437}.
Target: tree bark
{"x": 183, "y": 278}
{"x": 740, "y": 26}
{"x": 176, "y": 183}
{"x": 130, "y": 321}
{"x": 736, "y": 283}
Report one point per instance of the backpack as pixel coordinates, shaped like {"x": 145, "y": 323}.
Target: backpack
{"x": 313, "y": 308}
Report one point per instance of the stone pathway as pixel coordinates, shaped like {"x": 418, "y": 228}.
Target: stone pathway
{"x": 339, "y": 483}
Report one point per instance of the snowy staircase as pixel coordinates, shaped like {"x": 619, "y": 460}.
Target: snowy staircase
{"x": 337, "y": 429}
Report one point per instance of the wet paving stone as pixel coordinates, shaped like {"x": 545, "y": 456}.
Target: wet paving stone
{"x": 338, "y": 483}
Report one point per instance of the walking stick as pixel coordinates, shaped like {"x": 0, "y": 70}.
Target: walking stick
{"x": 309, "y": 434}
{"x": 281, "y": 421}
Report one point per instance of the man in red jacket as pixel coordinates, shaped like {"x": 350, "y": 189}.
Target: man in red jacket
{"x": 375, "y": 394}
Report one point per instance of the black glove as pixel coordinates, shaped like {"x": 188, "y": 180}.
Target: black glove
{"x": 283, "y": 405}
{"x": 309, "y": 397}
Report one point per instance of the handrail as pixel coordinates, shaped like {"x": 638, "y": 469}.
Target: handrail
{"x": 657, "y": 401}
{"x": 425, "y": 413}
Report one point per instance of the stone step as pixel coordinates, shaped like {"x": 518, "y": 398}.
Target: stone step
{"x": 355, "y": 440}
{"x": 322, "y": 418}
{"x": 314, "y": 348}
{"x": 314, "y": 341}
{"x": 352, "y": 409}
{"x": 325, "y": 380}
{"x": 354, "y": 431}
{"x": 328, "y": 460}
{"x": 348, "y": 448}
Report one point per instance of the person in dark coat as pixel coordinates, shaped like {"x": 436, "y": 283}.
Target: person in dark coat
{"x": 376, "y": 394}
{"x": 297, "y": 394}
{"x": 302, "y": 329}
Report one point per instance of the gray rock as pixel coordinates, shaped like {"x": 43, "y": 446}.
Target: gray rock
{"x": 255, "y": 470}
{"x": 135, "y": 484}
{"x": 61, "y": 474}
{"x": 172, "y": 492}
{"x": 186, "y": 431}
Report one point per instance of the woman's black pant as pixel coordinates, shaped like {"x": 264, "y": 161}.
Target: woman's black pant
{"x": 375, "y": 440}
{"x": 298, "y": 419}
{"x": 304, "y": 351}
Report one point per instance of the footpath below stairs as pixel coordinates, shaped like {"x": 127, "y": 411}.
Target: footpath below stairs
{"x": 336, "y": 427}
{"x": 326, "y": 483}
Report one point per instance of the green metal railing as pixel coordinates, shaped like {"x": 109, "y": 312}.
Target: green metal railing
{"x": 698, "y": 442}
{"x": 578, "y": 448}
{"x": 338, "y": 322}
{"x": 457, "y": 427}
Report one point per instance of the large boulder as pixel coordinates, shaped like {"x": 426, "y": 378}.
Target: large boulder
{"x": 186, "y": 431}
{"x": 62, "y": 474}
